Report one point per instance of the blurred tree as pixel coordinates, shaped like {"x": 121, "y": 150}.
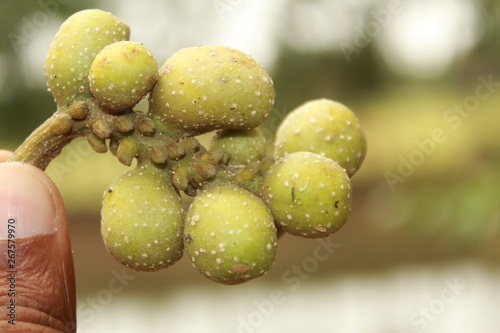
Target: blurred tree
{"x": 300, "y": 76}
{"x": 484, "y": 57}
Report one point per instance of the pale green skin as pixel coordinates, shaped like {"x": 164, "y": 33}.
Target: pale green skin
{"x": 206, "y": 88}
{"x": 73, "y": 49}
{"x": 142, "y": 220}
{"x": 324, "y": 127}
{"x": 230, "y": 235}
{"x": 122, "y": 73}
{"x": 244, "y": 146}
{"x": 309, "y": 195}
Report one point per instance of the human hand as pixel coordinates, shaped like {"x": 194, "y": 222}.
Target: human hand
{"x": 37, "y": 283}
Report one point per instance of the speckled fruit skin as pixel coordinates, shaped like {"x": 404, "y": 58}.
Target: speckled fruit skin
{"x": 142, "y": 220}
{"x": 323, "y": 127}
{"x": 244, "y": 146}
{"x": 309, "y": 195}
{"x": 122, "y": 73}
{"x": 73, "y": 49}
{"x": 206, "y": 88}
{"x": 230, "y": 235}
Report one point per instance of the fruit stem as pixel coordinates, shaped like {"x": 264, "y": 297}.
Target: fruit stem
{"x": 46, "y": 142}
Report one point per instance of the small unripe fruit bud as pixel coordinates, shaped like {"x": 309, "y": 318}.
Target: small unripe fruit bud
{"x": 103, "y": 128}
{"x": 96, "y": 143}
{"x": 175, "y": 151}
{"x": 78, "y": 110}
{"x": 127, "y": 150}
{"x": 159, "y": 154}
{"x": 124, "y": 124}
{"x": 147, "y": 127}
{"x": 204, "y": 170}
{"x": 180, "y": 178}
{"x": 190, "y": 145}
{"x": 215, "y": 157}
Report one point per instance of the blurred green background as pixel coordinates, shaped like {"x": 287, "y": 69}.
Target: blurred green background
{"x": 423, "y": 202}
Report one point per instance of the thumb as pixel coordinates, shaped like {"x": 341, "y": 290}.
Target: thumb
{"x": 37, "y": 283}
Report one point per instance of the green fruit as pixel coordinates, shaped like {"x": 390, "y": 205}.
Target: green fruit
{"x": 142, "y": 219}
{"x": 309, "y": 195}
{"x": 73, "y": 49}
{"x": 206, "y": 88}
{"x": 121, "y": 74}
{"x": 323, "y": 127}
{"x": 244, "y": 146}
{"x": 230, "y": 235}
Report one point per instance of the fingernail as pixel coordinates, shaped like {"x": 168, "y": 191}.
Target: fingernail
{"x": 27, "y": 202}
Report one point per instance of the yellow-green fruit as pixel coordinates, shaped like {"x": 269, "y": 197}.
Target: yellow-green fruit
{"x": 205, "y": 88}
{"x": 244, "y": 146}
{"x": 230, "y": 235}
{"x": 122, "y": 73}
{"x": 73, "y": 49}
{"x": 142, "y": 219}
{"x": 309, "y": 195}
{"x": 323, "y": 127}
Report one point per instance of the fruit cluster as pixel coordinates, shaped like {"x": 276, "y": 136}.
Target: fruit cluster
{"x": 244, "y": 196}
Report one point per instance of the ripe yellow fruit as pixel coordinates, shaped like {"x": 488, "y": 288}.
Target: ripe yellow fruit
{"x": 309, "y": 195}
{"x": 142, "y": 219}
{"x": 324, "y": 127}
{"x": 121, "y": 74}
{"x": 230, "y": 235}
{"x": 206, "y": 88}
{"x": 73, "y": 49}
